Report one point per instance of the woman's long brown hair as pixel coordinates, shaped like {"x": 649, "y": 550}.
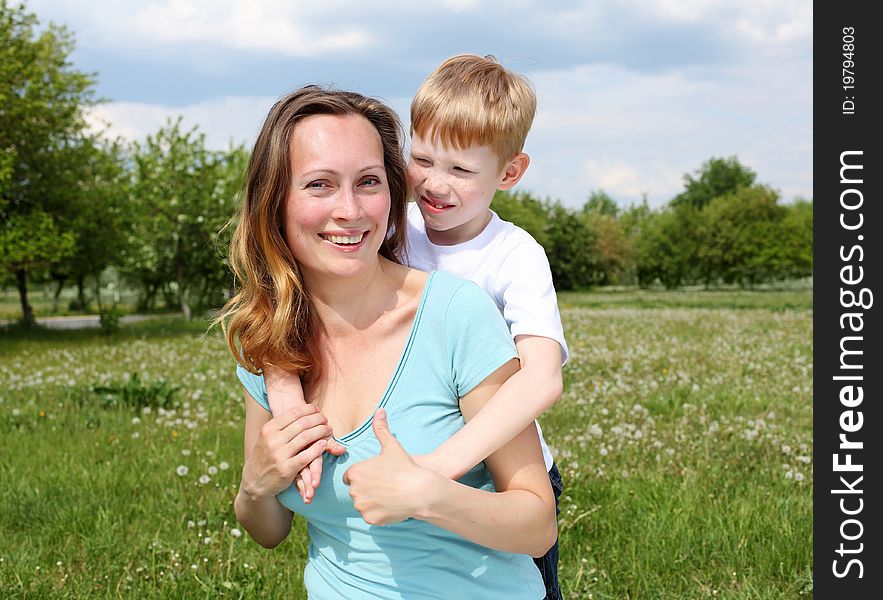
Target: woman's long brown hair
{"x": 270, "y": 319}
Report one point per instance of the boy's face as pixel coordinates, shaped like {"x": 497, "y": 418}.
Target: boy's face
{"x": 453, "y": 188}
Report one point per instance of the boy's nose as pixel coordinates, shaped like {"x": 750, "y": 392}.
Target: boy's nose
{"x": 434, "y": 186}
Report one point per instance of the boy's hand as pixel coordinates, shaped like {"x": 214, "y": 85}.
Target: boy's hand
{"x": 308, "y": 479}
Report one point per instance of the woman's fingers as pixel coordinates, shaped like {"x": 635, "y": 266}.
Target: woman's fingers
{"x": 310, "y": 453}
{"x": 305, "y": 438}
{"x": 298, "y": 426}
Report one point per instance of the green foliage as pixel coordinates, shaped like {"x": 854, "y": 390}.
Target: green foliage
{"x": 33, "y": 239}
{"x": 182, "y": 196}
{"x": 42, "y": 102}
{"x": 136, "y": 394}
{"x": 600, "y": 202}
{"x": 109, "y": 320}
{"x": 718, "y": 176}
{"x": 525, "y": 211}
{"x": 571, "y": 250}
{"x": 667, "y": 247}
{"x": 742, "y": 237}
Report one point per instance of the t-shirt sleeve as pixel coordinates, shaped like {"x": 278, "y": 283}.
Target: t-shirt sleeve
{"x": 476, "y": 338}
{"x": 254, "y": 385}
{"x": 527, "y": 294}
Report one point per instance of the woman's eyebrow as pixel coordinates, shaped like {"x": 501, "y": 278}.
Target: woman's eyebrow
{"x": 333, "y": 172}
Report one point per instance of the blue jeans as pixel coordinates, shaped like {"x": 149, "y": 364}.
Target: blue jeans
{"x": 548, "y": 564}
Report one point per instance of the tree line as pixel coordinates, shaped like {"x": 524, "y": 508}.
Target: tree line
{"x": 74, "y": 204}
{"x": 723, "y": 228}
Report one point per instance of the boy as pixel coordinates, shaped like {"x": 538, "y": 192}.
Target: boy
{"x": 469, "y": 120}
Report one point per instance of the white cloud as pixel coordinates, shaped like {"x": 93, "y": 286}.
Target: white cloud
{"x": 270, "y": 25}
{"x": 224, "y": 120}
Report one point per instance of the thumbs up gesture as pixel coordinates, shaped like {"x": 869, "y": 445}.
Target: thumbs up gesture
{"x": 389, "y": 487}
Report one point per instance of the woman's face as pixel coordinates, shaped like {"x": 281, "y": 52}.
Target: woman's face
{"x": 337, "y": 209}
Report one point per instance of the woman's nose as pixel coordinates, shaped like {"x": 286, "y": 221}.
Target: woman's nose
{"x": 347, "y": 205}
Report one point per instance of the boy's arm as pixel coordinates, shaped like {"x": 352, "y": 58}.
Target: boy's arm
{"x": 284, "y": 390}
{"x": 524, "y": 396}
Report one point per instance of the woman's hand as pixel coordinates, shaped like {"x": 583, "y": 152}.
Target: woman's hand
{"x": 389, "y": 487}
{"x": 287, "y": 444}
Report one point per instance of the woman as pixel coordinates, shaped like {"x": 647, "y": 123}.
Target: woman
{"x": 322, "y": 224}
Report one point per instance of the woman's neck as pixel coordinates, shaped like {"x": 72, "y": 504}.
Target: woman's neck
{"x": 357, "y": 302}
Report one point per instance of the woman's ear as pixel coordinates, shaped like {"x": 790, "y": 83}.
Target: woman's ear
{"x": 514, "y": 171}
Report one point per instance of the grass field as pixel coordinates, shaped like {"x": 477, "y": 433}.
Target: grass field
{"x": 684, "y": 437}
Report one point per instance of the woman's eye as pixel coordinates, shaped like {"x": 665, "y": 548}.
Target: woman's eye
{"x": 372, "y": 180}
{"x": 317, "y": 185}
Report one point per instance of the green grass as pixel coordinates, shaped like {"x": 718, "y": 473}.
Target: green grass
{"x": 683, "y": 437}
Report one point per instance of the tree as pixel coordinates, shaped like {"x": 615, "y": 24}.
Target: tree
{"x": 796, "y": 238}
{"x": 42, "y": 101}
{"x": 524, "y": 210}
{"x": 600, "y": 202}
{"x": 182, "y": 196}
{"x": 570, "y": 250}
{"x": 97, "y": 211}
{"x": 668, "y": 246}
{"x": 743, "y": 243}
{"x": 718, "y": 176}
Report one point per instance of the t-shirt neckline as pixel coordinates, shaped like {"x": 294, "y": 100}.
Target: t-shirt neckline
{"x": 350, "y": 437}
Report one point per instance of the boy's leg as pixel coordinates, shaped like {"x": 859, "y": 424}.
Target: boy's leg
{"x": 548, "y": 564}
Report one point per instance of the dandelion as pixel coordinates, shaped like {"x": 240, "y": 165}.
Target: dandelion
{"x": 136, "y": 421}
{"x": 182, "y": 470}
{"x": 786, "y": 449}
{"x": 190, "y": 524}
{"x": 224, "y": 466}
{"x": 235, "y": 533}
{"x": 213, "y": 470}
{"x": 15, "y": 412}
{"x": 204, "y": 479}
{"x": 206, "y": 540}
{"x": 201, "y": 522}
{"x": 798, "y": 476}
{"x": 135, "y": 435}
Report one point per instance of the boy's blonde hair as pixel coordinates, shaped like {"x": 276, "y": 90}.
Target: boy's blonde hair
{"x": 469, "y": 100}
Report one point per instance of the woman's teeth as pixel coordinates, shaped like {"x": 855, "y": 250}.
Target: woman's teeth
{"x": 344, "y": 239}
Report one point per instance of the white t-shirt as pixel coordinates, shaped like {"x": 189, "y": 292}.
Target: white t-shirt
{"x": 510, "y": 266}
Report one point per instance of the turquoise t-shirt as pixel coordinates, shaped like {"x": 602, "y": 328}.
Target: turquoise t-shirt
{"x": 457, "y": 339}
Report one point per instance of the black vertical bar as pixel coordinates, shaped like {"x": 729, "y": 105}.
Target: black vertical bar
{"x": 848, "y": 562}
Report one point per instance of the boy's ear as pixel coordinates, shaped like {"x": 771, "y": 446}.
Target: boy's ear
{"x": 514, "y": 170}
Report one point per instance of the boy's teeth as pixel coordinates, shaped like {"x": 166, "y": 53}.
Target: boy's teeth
{"x": 345, "y": 239}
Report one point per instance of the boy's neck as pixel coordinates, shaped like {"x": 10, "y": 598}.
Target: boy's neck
{"x": 460, "y": 234}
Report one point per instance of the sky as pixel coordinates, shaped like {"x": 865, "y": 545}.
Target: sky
{"x": 632, "y": 94}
